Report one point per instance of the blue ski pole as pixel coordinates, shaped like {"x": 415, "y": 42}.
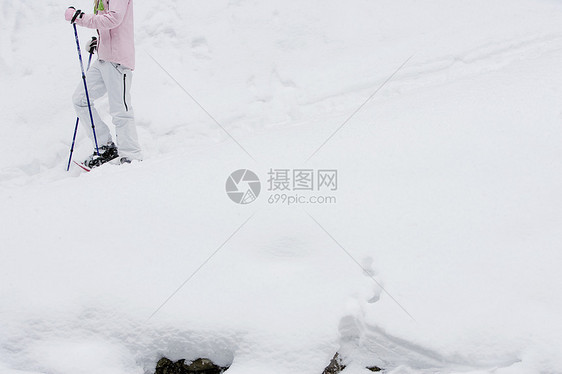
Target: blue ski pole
{"x": 86, "y": 88}
{"x": 77, "y": 121}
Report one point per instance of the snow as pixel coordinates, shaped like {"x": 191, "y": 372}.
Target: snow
{"x": 448, "y": 200}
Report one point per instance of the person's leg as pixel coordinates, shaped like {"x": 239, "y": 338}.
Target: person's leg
{"x": 96, "y": 89}
{"x": 118, "y": 82}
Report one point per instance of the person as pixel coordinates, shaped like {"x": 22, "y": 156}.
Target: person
{"x": 110, "y": 74}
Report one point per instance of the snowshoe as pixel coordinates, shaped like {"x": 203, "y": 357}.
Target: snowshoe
{"x": 107, "y": 153}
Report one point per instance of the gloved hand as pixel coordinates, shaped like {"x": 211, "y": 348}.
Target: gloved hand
{"x": 92, "y": 45}
{"x": 71, "y": 14}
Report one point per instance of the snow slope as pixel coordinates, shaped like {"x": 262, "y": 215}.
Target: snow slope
{"x": 442, "y": 253}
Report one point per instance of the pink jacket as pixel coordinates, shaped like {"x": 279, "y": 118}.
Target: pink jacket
{"x": 116, "y": 31}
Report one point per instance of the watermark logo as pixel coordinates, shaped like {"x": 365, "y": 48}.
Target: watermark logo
{"x": 243, "y": 186}
{"x": 285, "y": 186}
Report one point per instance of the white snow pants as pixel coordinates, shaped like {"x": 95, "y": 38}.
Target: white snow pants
{"x": 115, "y": 80}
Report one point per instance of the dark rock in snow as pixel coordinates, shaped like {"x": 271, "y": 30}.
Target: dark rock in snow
{"x": 335, "y": 365}
{"x": 199, "y": 366}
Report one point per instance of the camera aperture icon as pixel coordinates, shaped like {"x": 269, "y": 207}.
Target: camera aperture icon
{"x": 243, "y": 186}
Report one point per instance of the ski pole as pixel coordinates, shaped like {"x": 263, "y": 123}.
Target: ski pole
{"x": 86, "y": 88}
{"x": 77, "y": 121}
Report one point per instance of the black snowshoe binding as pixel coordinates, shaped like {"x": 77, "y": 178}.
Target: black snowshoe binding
{"x": 107, "y": 153}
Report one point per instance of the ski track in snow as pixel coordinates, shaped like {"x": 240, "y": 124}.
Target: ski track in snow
{"x": 372, "y": 346}
{"x": 367, "y": 345}
{"x": 417, "y": 76}
{"x": 488, "y": 58}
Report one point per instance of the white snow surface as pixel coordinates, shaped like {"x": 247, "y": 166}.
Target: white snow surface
{"x": 441, "y": 255}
